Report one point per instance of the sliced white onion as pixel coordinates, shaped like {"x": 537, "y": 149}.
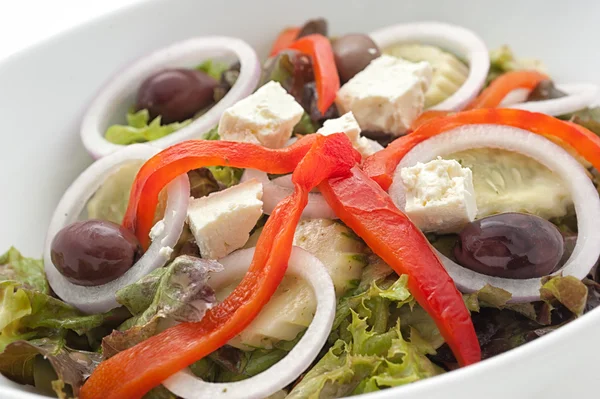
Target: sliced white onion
{"x": 101, "y": 298}
{"x": 456, "y": 39}
{"x": 273, "y": 193}
{"x": 580, "y": 96}
{"x": 583, "y": 193}
{"x": 119, "y": 93}
{"x": 288, "y": 369}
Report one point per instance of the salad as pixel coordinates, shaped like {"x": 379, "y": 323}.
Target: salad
{"x": 376, "y": 210}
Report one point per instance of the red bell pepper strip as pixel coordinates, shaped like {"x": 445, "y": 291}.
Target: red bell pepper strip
{"x": 180, "y": 158}
{"x": 381, "y": 165}
{"x": 327, "y": 79}
{"x": 284, "y": 40}
{"x": 133, "y": 372}
{"x": 492, "y": 96}
{"x": 370, "y": 212}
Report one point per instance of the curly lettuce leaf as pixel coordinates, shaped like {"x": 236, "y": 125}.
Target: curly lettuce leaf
{"x": 176, "y": 293}
{"x": 28, "y": 272}
{"x": 226, "y": 175}
{"x": 212, "y": 134}
{"x": 21, "y": 362}
{"x": 568, "y": 290}
{"x": 140, "y": 129}
{"x": 26, "y": 314}
{"x": 367, "y": 362}
{"x": 212, "y": 68}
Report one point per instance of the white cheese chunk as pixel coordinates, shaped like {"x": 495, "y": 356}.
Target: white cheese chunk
{"x": 221, "y": 222}
{"x": 266, "y": 117}
{"x": 347, "y": 124}
{"x": 439, "y": 195}
{"x": 388, "y": 95}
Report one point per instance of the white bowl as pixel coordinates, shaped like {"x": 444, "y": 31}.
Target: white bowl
{"x": 45, "y": 90}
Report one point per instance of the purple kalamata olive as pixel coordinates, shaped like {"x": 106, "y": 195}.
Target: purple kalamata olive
{"x": 176, "y": 94}
{"x": 510, "y": 245}
{"x": 352, "y": 53}
{"x": 94, "y": 252}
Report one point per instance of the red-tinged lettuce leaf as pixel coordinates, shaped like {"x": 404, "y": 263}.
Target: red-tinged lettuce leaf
{"x": 28, "y": 272}
{"x": 176, "y": 293}
{"x": 20, "y": 359}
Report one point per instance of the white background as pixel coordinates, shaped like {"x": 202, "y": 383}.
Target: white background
{"x": 24, "y": 22}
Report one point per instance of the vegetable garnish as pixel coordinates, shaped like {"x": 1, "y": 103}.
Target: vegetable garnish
{"x": 284, "y": 40}
{"x": 369, "y": 211}
{"x": 327, "y": 79}
{"x": 528, "y": 233}
{"x": 133, "y": 372}
{"x": 381, "y": 166}
{"x": 189, "y": 155}
{"x": 492, "y": 96}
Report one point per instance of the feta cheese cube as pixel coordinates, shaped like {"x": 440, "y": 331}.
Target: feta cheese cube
{"x": 221, "y": 222}
{"x": 439, "y": 195}
{"x": 388, "y": 95}
{"x": 347, "y": 124}
{"x": 266, "y": 117}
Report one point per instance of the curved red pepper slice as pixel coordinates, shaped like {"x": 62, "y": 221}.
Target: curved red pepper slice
{"x": 370, "y": 212}
{"x": 327, "y": 79}
{"x": 492, "y": 96}
{"x": 133, "y": 372}
{"x": 176, "y": 160}
{"x": 284, "y": 39}
{"x": 381, "y": 165}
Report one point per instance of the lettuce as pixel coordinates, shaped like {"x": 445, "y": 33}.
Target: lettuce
{"x": 569, "y": 291}
{"x": 212, "y": 68}
{"x": 367, "y": 362}
{"x": 140, "y": 129}
{"x": 26, "y": 271}
{"x": 503, "y": 60}
{"x": 176, "y": 293}
{"x": 373, "y": 346}
{"x": 21, "y": 361}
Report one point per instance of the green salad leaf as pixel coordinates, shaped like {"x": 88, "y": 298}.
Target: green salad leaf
{"x": 21, "y": 361}
{"x": 140, "y": 129}
{"x": 503, "y": 60}
{"x": 26, "y": 314}
{"x": 367, "y": 362}
{"x": 212, "y": 68}
{"x": 568, "y": 290}
{"x": 178, "y": 292}
{"x": 28, "y": 272}
{"x": 588, "y": 118}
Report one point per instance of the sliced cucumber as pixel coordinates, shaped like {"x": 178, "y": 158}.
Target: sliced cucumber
{"x": 111, "y": 199}
{"x": 507, "y": 181}
{"x": 293, "y": 305}
{"x": 449, "y": 73}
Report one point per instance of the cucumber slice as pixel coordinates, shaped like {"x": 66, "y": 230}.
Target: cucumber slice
{"x": 293, "y": 305}
{"x": 111, "y": 199}
{"x": 449, "y": 73}
{"x": 506, "y": 181}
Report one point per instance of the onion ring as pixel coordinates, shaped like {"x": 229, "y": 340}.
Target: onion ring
{"x": 456, "y": 39}
{"x": 584, "y": 195}
{"x": 101, "y": 298}
{"x": 284, "y": 372}
{"x": 118, "y": 93}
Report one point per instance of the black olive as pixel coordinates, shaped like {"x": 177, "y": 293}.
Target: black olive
{"x": 352, "y": 53}
{"x": 545, "y": 90}
{"x": 176, "y": 94}
{"x": 94, "y": 252}
{"x": 510, "y": 245}
{"x": 314, "y": 26}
